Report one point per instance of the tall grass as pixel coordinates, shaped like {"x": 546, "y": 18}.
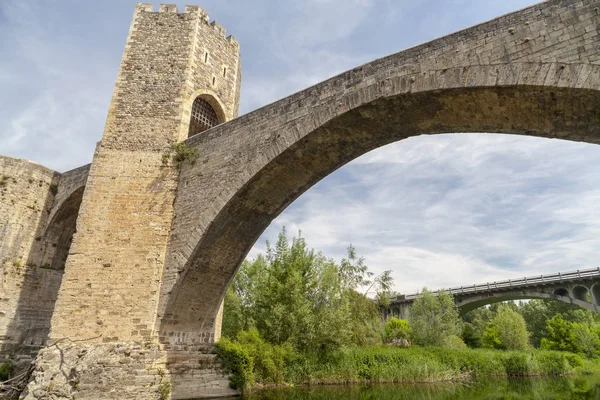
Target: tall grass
{"x": 410, "y": 365}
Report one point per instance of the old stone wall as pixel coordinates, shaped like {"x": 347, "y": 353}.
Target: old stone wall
{"x": 115, "y": 266}
{"x": 125, "y": 371}
{"x": 27, "y": 290}
{"x": 533, "y": 72}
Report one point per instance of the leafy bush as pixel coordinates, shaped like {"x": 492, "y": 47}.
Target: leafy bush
{"x": 574, "y": 360}
{"x": 434, "y": 318}
{"x": 237, "y": 361}
{"x": 561, "y": 335}
{"x": 6, "y": 370}
{"x": 552, "y": 363}
{"x": 269, "y": 360}
{"x": 506, "y": 331}
{"x": 455, "y": 343}
{"x": 398, "y": 329}
{"x": 517, "y": 364}
{"x": 180, "y": 153}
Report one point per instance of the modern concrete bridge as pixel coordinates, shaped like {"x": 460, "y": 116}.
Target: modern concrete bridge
{"x": 581, "y": 288}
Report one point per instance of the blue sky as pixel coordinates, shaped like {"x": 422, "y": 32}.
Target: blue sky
{"x": 439, "y": 211}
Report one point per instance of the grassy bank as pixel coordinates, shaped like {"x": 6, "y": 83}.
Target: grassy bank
{"x": 255, "y": 365}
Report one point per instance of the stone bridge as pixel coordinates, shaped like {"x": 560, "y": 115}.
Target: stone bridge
{"x": 157, "y": 242}
{"x": 580, "y": 288}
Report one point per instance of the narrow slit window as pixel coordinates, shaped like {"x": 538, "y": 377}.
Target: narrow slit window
{"x": 214, "y": 80}
{"x": 206, "y": 57}
{"x": 224, "y": 71}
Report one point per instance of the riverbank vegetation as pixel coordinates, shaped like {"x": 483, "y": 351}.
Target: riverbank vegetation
{"x": 294, "y": 316}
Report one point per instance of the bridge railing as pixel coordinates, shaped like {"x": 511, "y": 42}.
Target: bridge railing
{"x": 513, "y": 283}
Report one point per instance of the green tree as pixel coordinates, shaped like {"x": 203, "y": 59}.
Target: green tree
{"x": 475, "y": 324}
{"x": 296, "y": 295}
{"x": 507, "y": 330}
{"x": 398, "y": 330}
{"x": 586, "y": 339}
{"x": 434, "y": 318}
{"x": 560, "y": 335}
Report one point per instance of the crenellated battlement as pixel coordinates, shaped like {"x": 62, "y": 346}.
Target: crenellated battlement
{"x": 189, "y": 9}
{"x": 219, "y": 28}
{"x": 168, "y": 8}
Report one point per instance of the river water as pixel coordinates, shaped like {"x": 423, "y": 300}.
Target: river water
{"x": 571, "y": 388}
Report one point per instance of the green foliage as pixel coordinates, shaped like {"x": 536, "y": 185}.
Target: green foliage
{"x": 298, "y": 296}
{"x": 434, "y": 318}
{"x": 517, "y": 364}
{"x": 475, "y": 323}
{"x": 586, "y": 339}
{"x": 180, "y": 153}
{"x": 506, "y": 331}
{"x": 237, "y": 361}
{"x": 269, "y": 360}
{"x": 424, "y": 364}
{"x": 454, "y": 342}
{"x": 398, "y": 330}
{"x": 6, "y": 371}
{"x": 54, "y": 188}
{"x": 561, "y": 335}
{"x": 165, "y": 388}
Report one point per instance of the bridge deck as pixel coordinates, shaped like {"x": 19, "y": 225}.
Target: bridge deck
{"x": 559, "y": 277}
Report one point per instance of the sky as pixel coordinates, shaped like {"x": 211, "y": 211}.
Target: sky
{"x": 439, "y": 211}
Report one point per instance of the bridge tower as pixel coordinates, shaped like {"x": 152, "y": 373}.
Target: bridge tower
{"x": 179, "y": 75}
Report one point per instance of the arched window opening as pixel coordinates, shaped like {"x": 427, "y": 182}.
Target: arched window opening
{"x": 203, "y": 117}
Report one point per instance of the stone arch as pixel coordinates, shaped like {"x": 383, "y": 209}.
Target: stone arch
{"x": 581, "y": 293}
{"x": 205, "y": 112}
{"x": 252, "y": 168}
{"x": 56, "y": 240}
{"x": 230, "y": 234}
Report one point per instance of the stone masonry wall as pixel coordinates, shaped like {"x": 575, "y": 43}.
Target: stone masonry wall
{"x": 115, "y": 266}
{"x": 27, "y": 291}
{"x": 533, "y": 72}
{"x": 125, "y": 371}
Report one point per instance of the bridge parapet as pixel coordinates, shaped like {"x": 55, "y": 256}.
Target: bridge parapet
{"x": 580, "y": 288}
{"x": 560, "y": 277}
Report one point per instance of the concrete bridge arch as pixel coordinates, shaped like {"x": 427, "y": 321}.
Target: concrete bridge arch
{"x": 580, "y": 288}
{"x": 491, "y": 78}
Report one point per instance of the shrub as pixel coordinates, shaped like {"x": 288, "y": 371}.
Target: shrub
{"x": 434, "y": 318}
{"x": 180, "y": 153}
{"x": 455, "y": 343}
{"x": 269, "y": 360}
{"x": 236, "y": 361}
{"x": 574, "y": 360}
{"x": 6, "y": 370}
{"x": 561, "y": 335}
{"x": 517, "y": 364}
{"x": 552, "y": 363}
{"x": 398, "y": 330}
{"x": 506, "y": 331}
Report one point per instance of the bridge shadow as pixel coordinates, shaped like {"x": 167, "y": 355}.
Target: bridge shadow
{"x": 34, "y": 287}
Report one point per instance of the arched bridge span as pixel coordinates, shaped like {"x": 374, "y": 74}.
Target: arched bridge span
{"x": 580, "y": 288}
{"x": 535, "y": 72}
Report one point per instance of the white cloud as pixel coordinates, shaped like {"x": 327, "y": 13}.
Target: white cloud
{"x": 440, "y": 210}
{"x": 472, "y": 207}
